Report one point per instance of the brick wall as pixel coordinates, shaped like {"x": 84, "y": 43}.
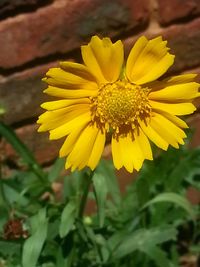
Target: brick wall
{"x": 35, "y": 35}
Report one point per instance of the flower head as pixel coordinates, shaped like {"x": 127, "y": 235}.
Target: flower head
{"x": 105, "y": 95}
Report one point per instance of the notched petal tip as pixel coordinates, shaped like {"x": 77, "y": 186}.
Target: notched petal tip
{"x": 40, "y": 129}
{"x": 43, "y": 105}
{"x": 44, "y": 79}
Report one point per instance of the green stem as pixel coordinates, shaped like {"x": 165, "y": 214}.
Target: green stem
{"x": 3, "y": 200}
{"x": 86, "y": 185}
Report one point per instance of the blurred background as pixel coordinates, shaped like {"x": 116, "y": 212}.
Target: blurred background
{"x": 36, "y": 34}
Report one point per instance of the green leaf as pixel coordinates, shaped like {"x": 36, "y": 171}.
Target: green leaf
{"x": 143, "y": 239}
{"x": 101, "y": 190}
{"x": 173, "y": 198}
{"x": 158, "y": 255}
{"x": 9, "y": 248}
{"x": 13, "y": 196}
{"x": 33, "y": 245}
{"x": 67, "y": 218}
{"x": 142, "y": 188}
{"x": 60, "y": 260}
{"x": 23, "y": 151}
{"x": 56, "y": 169}
{"x": 107, "y": 169}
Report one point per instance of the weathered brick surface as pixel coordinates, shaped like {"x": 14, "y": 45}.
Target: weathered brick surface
{"x": 21, "y": 94}
{"x": 43, "y": 149}
{"x": 63, "y": 26}
{"x": 184, "y": 41}
{"x": 174, "y": 10}
{"x": 194, "y": 122}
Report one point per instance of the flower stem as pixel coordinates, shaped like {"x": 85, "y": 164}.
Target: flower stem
{"x": 86, "y": 187}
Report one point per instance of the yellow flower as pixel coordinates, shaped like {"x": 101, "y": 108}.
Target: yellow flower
{"x": 104, "y": 95}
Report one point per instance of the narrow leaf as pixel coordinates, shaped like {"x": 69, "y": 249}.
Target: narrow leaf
{"x": 56, "y": 169}
{"x": 33, "y": 245}
{"x": 67, "y": 218}
{"x": 144, "y": 239}
{"x": 101, "y": 190}
{"x": 173, "y": 198}
{"x": 106, "y": 169}
{"x": 158, "y": 255}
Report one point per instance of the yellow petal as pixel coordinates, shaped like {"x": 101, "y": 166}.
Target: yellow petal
{"x": 148, "y": 60}
{"x": 116, "y": 154}
{"x": 179, "y": 79}
{"x": 128, "y": 152}
{"x": 58, "y": 104}
{"x": 97, "y": 150}
{"x": 183, "y": 78}
{"x": 154, "y": 136}
{"x": 77, "y": 69}
{"x": 71, "y": 140}
{"x": 126, "y": 148}
{"x": 68, "y": 127}
{"x": 177, "y": 92}
{"x": 144, "y": 145}
{"x": 175, "y": 109}
{"x": 134, "y": 55}
{"x": 103, "y": 58}
{"x": 54, "y": 119}
{"x": 64, "y": 93}
{"x": 60, "y": 78}
{"x": 137, "y": 153}
{"x": 177, "y": 121}
{"x": 62, "y": 112}
{"x": 167, "y": 130}
{"x": 85, "y": 147}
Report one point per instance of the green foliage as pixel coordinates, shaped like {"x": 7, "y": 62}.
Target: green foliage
{"x": 33, "y": 245}
{"x": 68, "y": 217}
{"x": 145, "y": 226}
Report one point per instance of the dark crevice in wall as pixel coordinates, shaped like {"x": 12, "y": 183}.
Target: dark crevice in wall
{"x": 8, "y": 9}
{"x": 48, "y": 164}
{"x": 38, "y": 62}
{"x": 24, "y": 122}
{"x": 189, "y": 69}
{"x": 181, "y": 21}
{"x": 132, "y": 32}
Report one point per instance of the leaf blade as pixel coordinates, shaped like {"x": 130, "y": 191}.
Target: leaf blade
{"x": 101, "y": 191}
{"x": 173, "y": 198}
{"x": 34, "y": 244}
{"x": 67, "y": 218}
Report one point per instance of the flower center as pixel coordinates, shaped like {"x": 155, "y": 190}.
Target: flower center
{"x": 120, "y": 103}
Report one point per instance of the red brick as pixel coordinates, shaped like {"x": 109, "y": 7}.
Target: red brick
{"x": 63, "y": 26}
{"x": 174, "y": 10}
{"x": 193, "y": 195}
{"x": 184, "y": 43}
{"x": 43, "y": 149}
{"x": 21, "y": 94}
{"x": 194, "y": 122}
{"x": 183, "y": 40}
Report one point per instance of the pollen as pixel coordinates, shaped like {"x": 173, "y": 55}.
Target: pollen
{"x": 120, "y": 104}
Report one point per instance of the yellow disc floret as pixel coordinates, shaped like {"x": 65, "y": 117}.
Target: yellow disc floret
{"x": 119, "y": 104}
